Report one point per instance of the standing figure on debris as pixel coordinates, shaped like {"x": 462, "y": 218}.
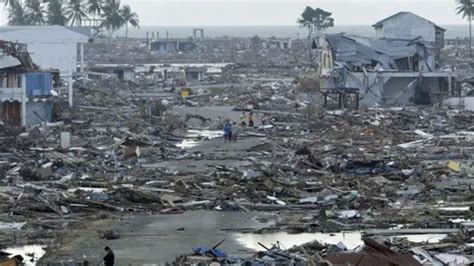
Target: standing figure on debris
{"x": 251, "y": 119}
{"x": 242, "y": 119}
{"x": 296, "y": 106}
{"x": 264, "y": 120}
{"x": 109, "y": 258}
{"x": 235, "y": 131}
{"x": 226, "y": 131}
{"x": 230, "y": 132}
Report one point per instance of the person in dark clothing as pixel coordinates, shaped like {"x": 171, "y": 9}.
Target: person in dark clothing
{"x": 230, "y": 132}
{"x": 226, "y": 131}
{"x": 109, "y": 258}
{"x": 251, "y": 119}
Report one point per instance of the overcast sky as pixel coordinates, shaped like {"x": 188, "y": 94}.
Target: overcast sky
{"x": 266, "y": 12}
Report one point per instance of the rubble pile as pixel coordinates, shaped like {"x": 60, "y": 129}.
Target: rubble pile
{"x": 210, "y": 50}
{"x": 375, "y": 251}
{"x": 133, "y": 147}
{"x": 374, "y": 168}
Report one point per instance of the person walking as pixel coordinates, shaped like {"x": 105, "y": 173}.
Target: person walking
{"x": 242, "y": 119}
{"x": 109, "y": 258}
{"x": 230, "y": 132}
{"x": 251, "y": 123}
{"x": 235, "y": 132}
{"x": 226, "y": 131}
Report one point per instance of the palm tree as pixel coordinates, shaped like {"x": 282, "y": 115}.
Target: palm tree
{"x": 35, "y": 12}
{"x": 56, "y": 13}
{"x": 76, "y": 12}
{"x": 94, "y": 7}
{"x": 129, "y": 17}
{"x": 17, "y": 15}
{"x": 466, "y": 9}
{"x": 9, "y": 3}
{"x": 112, "y": 17}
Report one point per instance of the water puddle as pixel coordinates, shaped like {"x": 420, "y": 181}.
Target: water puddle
{"x": 350, "y": 239}
{"x": 250, "y": 241}
{"x": 30, "y": 253}
{"x": 195, "y": 137}
{"x": 428, "y": 238}
{"x": 187, "y": 143}
{"x": 455, "y": 209}
{"x": 88, "y": 189}
{"x": 11, "y": 226}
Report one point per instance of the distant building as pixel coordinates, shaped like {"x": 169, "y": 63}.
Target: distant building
{"x": 52, "y": 47}
{"x": 409, "y": 26}
{"x": 173, "y": 45}
{"x": 104, "y": 71}
{"x": 194, "y": 74}
{"x": 276, "y": 43}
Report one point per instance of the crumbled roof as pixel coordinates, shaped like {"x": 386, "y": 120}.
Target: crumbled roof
{"x": 359, "y": 51}
{"x": 7, "y": 61}
{"x": 373, "y": 253}
{"x": 14, "y": 54}
{"x": 381, "y": 22}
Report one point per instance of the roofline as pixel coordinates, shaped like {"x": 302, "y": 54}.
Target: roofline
{"x": 380, "y": 23}
{"x": 77, "y": 37}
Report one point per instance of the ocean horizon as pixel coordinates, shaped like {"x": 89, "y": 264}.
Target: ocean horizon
{"x": 279, "y": 31}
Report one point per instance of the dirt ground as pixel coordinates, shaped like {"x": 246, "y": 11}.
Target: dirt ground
{"x": 153, "y": 239}
{"x": 148, "y": 239}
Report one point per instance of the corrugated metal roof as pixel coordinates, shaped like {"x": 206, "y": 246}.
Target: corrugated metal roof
{"x": 381, "y": 22}
{"x": 8, "y": 61}
{"x": 41, "y": 34}
{"x": 360, "y": 51}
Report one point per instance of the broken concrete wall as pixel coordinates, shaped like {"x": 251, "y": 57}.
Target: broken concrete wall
{"x": 399, "y": 91}
{"x": 377, "y": 88}
{"x": 460, "y": 102}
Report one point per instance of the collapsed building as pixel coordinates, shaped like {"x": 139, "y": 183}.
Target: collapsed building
{"x": 25, "y": 90}
{"x": 167, "y": 74}
{"x": 400, "y": 66}
{"x": 53, "y": 47}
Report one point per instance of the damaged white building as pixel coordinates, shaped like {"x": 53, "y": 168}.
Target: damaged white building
{"x": 400, "y": 66}
{"x": 52, "y": 47}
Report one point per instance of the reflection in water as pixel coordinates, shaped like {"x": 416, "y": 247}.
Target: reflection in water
{"x": 350, "y": 239}
{"x": 187, "y": 143}
{"x": 193, "y": 134}
{"x": 460, "y": 208}
{"x": 30, "y": 253}
{"x": 12, "y": 226}
{"x": 430, "y": 238}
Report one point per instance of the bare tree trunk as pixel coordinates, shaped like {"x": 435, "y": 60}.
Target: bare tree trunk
{"x": 126, "y": 32}
{"x": 470, "y": 35}
{"x": 310, "y": 43}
